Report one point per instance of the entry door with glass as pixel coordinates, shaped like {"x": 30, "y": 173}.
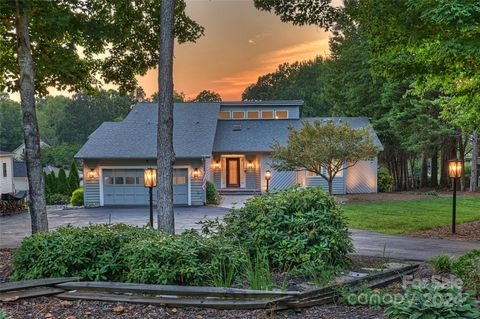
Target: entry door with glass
{"x": 233, "y": 172}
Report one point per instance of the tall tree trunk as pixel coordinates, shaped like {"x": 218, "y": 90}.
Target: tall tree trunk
{"x": 330, "y": 185}
{"x": 434, "y": 171}
{"x": 165, "y": 154}
{"x": 474, "y": 173}
{"x": 36, "y": 186}
{"x": 424, "y": 171}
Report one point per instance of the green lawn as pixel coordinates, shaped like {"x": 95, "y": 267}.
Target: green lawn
{"x": 398, "y": 217}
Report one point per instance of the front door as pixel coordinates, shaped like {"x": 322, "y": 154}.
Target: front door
{"x": 233, "y": 172}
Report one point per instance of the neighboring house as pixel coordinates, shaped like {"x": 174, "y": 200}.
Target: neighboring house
{"x": 20, "y": 179}
{"x": 6, "y": 173}
{"x": 19, "y": 152}
{"x": 231, "y": 139}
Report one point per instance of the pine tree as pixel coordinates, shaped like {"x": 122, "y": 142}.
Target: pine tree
{"x": 62, "y": 183}
{"x": 73, "y": 178}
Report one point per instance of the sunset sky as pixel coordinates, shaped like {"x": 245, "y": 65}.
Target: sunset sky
{"x": 240, "y": 44}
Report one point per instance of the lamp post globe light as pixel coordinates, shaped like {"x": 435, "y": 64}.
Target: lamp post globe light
{"x": 268, "y": 176}
{"x": 454, "y": 171}
{"x": 150, "y": 181}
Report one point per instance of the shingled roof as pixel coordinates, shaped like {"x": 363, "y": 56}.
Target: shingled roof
{"x": 193, "y": 133}
{"x": 258, "y": 135}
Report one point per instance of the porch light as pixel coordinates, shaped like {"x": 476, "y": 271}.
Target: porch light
{"x": 250, "y": 165}
{"x": 216, "y": 165}
{"x": 92, "y": 174}
{"x": 150, "y": 181}
{"x": 268, "y": 176}
{"x": 454, "y": 172}
{"x": 195, "y": 173}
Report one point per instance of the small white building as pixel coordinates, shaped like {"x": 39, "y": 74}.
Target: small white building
{"x": 6, "y": 174}
{"x": 19, "y": 152}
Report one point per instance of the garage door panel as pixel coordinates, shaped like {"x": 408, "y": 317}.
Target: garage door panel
{"x": 125, "y": 187}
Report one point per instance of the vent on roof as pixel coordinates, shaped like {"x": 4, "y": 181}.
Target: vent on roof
{"x": 236, "y": 127}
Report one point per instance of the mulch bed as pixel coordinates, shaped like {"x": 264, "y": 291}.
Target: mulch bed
{"x": 467, "y": 231}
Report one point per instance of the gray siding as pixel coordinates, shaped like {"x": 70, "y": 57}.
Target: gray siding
{"x": 362, "y": 177}
{"x": 91, "y": 196}
{"x": 338, "y": 184}
{"x": 252, "y": 176}
{"x": 198, "y": 195}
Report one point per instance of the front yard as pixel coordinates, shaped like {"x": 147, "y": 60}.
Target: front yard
{"x": 407, "y": 216}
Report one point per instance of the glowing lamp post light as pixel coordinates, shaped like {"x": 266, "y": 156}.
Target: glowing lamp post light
{"x": 268, "y": 177}
{"x": 150, "y": 181}
{"x": 454, "y": 172}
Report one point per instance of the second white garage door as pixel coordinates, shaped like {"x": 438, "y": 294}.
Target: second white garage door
{"x": 125, "y": 187}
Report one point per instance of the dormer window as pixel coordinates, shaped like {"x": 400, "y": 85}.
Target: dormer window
{"x": 267, "y": 114}
{"x": 281, "y": 114}
{"x": 253, "y": 115}
{"x": 224, "y": 115}
{"x": 238, "y": 115}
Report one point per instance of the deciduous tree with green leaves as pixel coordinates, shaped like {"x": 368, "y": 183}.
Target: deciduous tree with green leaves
{"x": 207, "y": 96}
{"x": 324, "y": 148}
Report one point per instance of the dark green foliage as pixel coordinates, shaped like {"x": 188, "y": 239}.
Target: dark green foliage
{"x": 207, "y": 96}
{"x": 73, "y": 177}
{"x": 213, "y": 198}
{"x": 257, "y": 270}
{"x": 60, "y": 155}
{"x": 11, "y": 133}
{"x": 299, "y": 80}
{"x": 433, "y": 300}
{"x": 441, "y": 264}
{"x": 293, "y": 226}
{"x": 467, "y": 268}
{"x": 91, "y": 252}
{"x": 56, "y": 199}
{"x": 77, "y": 197}
{"x": 62, "y": 186}
{"x": 384, "y": 180}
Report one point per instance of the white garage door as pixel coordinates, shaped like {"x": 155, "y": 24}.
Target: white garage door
{"x": 125, "y": 187}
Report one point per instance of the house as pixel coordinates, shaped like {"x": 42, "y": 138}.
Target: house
{"x": 230, "y": 139}
{"x": 19, "y": 152}
{"x": 13, "y": 176}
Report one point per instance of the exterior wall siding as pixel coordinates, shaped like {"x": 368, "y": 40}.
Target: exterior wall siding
{"x": 318, "y": 181}
{"x": 362, "y": 177}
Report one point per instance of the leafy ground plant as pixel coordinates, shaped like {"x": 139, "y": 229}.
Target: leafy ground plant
{"x": 467, "y": 268}
{"x": 257, "y": 271}
{"x": 434, "y": 300}
{"x": 441, "y": 264}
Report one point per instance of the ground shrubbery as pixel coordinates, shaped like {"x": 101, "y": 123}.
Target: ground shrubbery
{"x": 213, "y": 198}
{"x": 296, "y": 229}
{"x": 77, "y": 197}
{"x": 384, "y": 180}
{"x": 294, "y": 226}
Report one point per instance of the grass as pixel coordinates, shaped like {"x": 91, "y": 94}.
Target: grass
{"x": 400, "y": 217}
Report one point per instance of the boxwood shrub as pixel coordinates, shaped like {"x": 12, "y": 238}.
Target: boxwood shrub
{"x": 294, "y": 226}
{"x": 77, "y": 197}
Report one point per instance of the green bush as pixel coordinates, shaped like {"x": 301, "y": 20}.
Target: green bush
{"x": 384, "y": 180}
{"x": 77, "y": 197}
{"x": 433, "y": 300}
{"x": 467, "y": 268}
{"x": 91, "y": 252}
{"x": 213, "y": 198}
{"x": 293, "y": 226}
{"x": 57, "y": 199}
{"x": 441, "y": 264}
{"x": 62, "y": 183}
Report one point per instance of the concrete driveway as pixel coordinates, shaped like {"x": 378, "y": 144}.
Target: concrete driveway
{"x": 15, "y": 227}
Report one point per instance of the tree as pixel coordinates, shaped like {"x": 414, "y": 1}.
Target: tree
{"x": 62, "y": 183}
{"x": 73, "y": 178}
{"x": 299, "y": 80}
{"x": 177, "y": 97}
{"x": 207, "y": 96}
{"x": 51, "y": 116}
{"x": 60, "y": 155}
{"x": 119, "y": 40}
{"x": 324, "y": 149}
{"x": 11, "y": 135}
{"x": 165, "y": 153}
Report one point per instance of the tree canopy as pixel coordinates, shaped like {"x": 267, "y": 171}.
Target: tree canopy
{"x": 207, "y": 96}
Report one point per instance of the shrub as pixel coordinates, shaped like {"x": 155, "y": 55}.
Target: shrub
{"x": 73, "y": 178}
{"x": 77, "y": 197}
{"x": 57, "y": 199}
{"x": 467, "y": 268}
{"x": 213, "y": 198}
{"x": 441, "y": 264}
{"x": 433, "y": 300}
{"x": 385, "y": 180}
{"x": 91, "y": 252}
{"x": 62, "y": 183}
{"x": 293, "y": 226}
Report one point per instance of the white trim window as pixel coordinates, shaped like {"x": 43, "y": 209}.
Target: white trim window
{"x": 281, "y": 114}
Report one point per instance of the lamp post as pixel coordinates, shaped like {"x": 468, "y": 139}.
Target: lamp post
{"x": 454, "y": 172}
{"x": 150, "y": 181}
{"x": 268, "y": 176}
